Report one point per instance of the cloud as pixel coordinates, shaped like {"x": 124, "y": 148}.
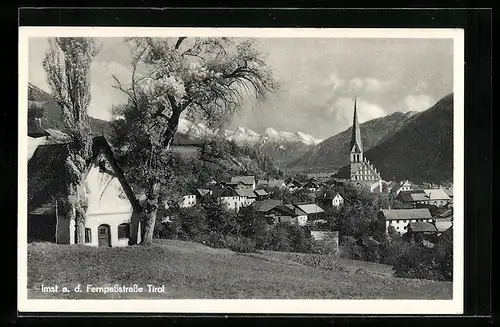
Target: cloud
{"x": 418, "y": 102}
{"x": 370, "y": 84}
{"x": 342, "y": 112}
{"x": 104, "y": 95}
{"x": 421, "y": 86}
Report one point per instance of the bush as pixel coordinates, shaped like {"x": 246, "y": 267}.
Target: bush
{"x": 240, "y": 244}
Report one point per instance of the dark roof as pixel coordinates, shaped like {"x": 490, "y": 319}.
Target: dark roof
{"x": 421, "y": 226}
{"x": 35, "y": 128}
{"x": 411, "y": 196}
{"x": 406, "y": 214}
{"x": 296, "y": 209}
{"x": 47, "y": 179}
{"x": 266, "y": 205}
{"x": 224, "y": 192}
{"x": 283, "y": 209}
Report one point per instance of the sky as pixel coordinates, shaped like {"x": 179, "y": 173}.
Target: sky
{"x": 319, "y": 78}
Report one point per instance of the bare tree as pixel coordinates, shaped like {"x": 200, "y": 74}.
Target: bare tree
{"x": 205, "y": 78}
{"x": 67, "y": 65}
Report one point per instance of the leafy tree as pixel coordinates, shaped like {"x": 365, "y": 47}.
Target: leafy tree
{"x": 193, "y": 222}
{"x": 203, "y": 78}
{"x": 67, "y": 66}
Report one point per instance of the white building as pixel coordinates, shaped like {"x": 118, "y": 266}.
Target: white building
{"x": 113, "y": 211}
{"x": 400, "y": 218}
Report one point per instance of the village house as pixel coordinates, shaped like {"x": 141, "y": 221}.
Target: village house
{"x": 276, "y": 183}
{"x": 243, "y": 182}
{"x": 36, "y": 135}
{"x": 288, "y": 213}
{"x": 113, "y": 210}
{"x": 229, "y": 198}
{"x": 293, "y": 185}
{"x": 261, "y": 194}
{"x": 264, "y": 207}
{"x": 449, "y": 191}
{"x": 262, "y": 182}
{"x": 421, "y": 230}
{"x": 403, "y": 186}
{"x": 248, "y": 195}
{"x": 437, "y": 197}
{"x": 312, "y": 185}
{"x": 326, "y": 202}
{"x": 188, "y": 201}
{"x": 312, "y": 211}
{"x": 443, "y": 224}
{"x": 418, "y": 198}
{"x": 400, "y": 218}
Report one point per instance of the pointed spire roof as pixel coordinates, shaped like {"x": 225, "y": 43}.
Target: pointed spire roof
{"x": 356, "y": 133}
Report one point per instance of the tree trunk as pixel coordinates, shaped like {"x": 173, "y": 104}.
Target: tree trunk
{"x": 149, "y": 226}
{"x": 80, "y": 230}
{"x": 150, "y": 214}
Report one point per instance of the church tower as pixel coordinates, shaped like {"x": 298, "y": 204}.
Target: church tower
{"x": 356, "y": 157}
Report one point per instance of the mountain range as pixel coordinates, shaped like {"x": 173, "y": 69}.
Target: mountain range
{"x": 333, "y": 153}
{"x": 415, "y": 145}
{"x": 280, "y": 146}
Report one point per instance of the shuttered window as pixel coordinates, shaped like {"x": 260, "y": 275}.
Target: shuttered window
{"x": 123, "y": 231}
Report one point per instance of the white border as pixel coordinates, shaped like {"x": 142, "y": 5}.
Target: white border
{"x": 454, "y": 306}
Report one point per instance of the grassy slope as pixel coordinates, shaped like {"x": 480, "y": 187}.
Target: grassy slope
{"x": 190, "y": 270}
{"x": 333, "y": 153}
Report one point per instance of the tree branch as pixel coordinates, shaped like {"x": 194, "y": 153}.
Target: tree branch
{"x": 179, "y": 42}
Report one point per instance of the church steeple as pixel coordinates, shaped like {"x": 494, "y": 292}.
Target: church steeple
{"x": 356, "y": 144}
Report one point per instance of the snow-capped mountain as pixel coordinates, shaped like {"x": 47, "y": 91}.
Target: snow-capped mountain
{"x": 281, "y": 146}
{"x": 244, "y": 135}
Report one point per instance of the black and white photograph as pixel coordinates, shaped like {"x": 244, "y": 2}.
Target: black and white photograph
{"x": 232, "y": 169}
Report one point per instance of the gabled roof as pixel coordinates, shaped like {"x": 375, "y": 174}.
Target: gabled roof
{"x": 312, "y": 183}
{"x": 203, "y": 191}
{"x": 262, "y": 182}
{"x": 310, "y": 208}
{"x": 406, "y": 214}
{"x": 261, "y": 192}
{"x": 266, "y": 205}
{"x": 47, "y": 175}
{"x": 246, "y": 180}
{"x": 286, "y": 210}
{"x": 276, "y": 183}
{"x": 436, "y": 194}
{"x": 225, "y": 192}
{"x": 443, "y": 224}
{"x": 35, "y": 128}
{"x": 330, "y": 197}
{"x": 246, "y": 193}
{"x": 296, "y": 210}
{"x": 448, "y": 190}
{"x": 421, "y": 226}
{"x": 294, "y": 182}
{"x": 411, "y": 196}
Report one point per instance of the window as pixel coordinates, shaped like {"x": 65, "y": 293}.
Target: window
{"x": 102, "y": 165}
{"x": 88, "y": 235}
{"x": 123, "y": 231}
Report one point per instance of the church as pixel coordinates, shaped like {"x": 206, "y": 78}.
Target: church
{"x": 362, "y": 172}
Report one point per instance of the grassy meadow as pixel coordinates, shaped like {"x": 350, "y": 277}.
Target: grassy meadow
{"x": 194, "y": 271}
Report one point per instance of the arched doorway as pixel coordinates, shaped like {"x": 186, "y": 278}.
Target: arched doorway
{"x": 104, "y": 235}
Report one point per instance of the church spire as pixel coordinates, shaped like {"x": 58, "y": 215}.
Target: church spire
{"x": 356, "y": 145}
